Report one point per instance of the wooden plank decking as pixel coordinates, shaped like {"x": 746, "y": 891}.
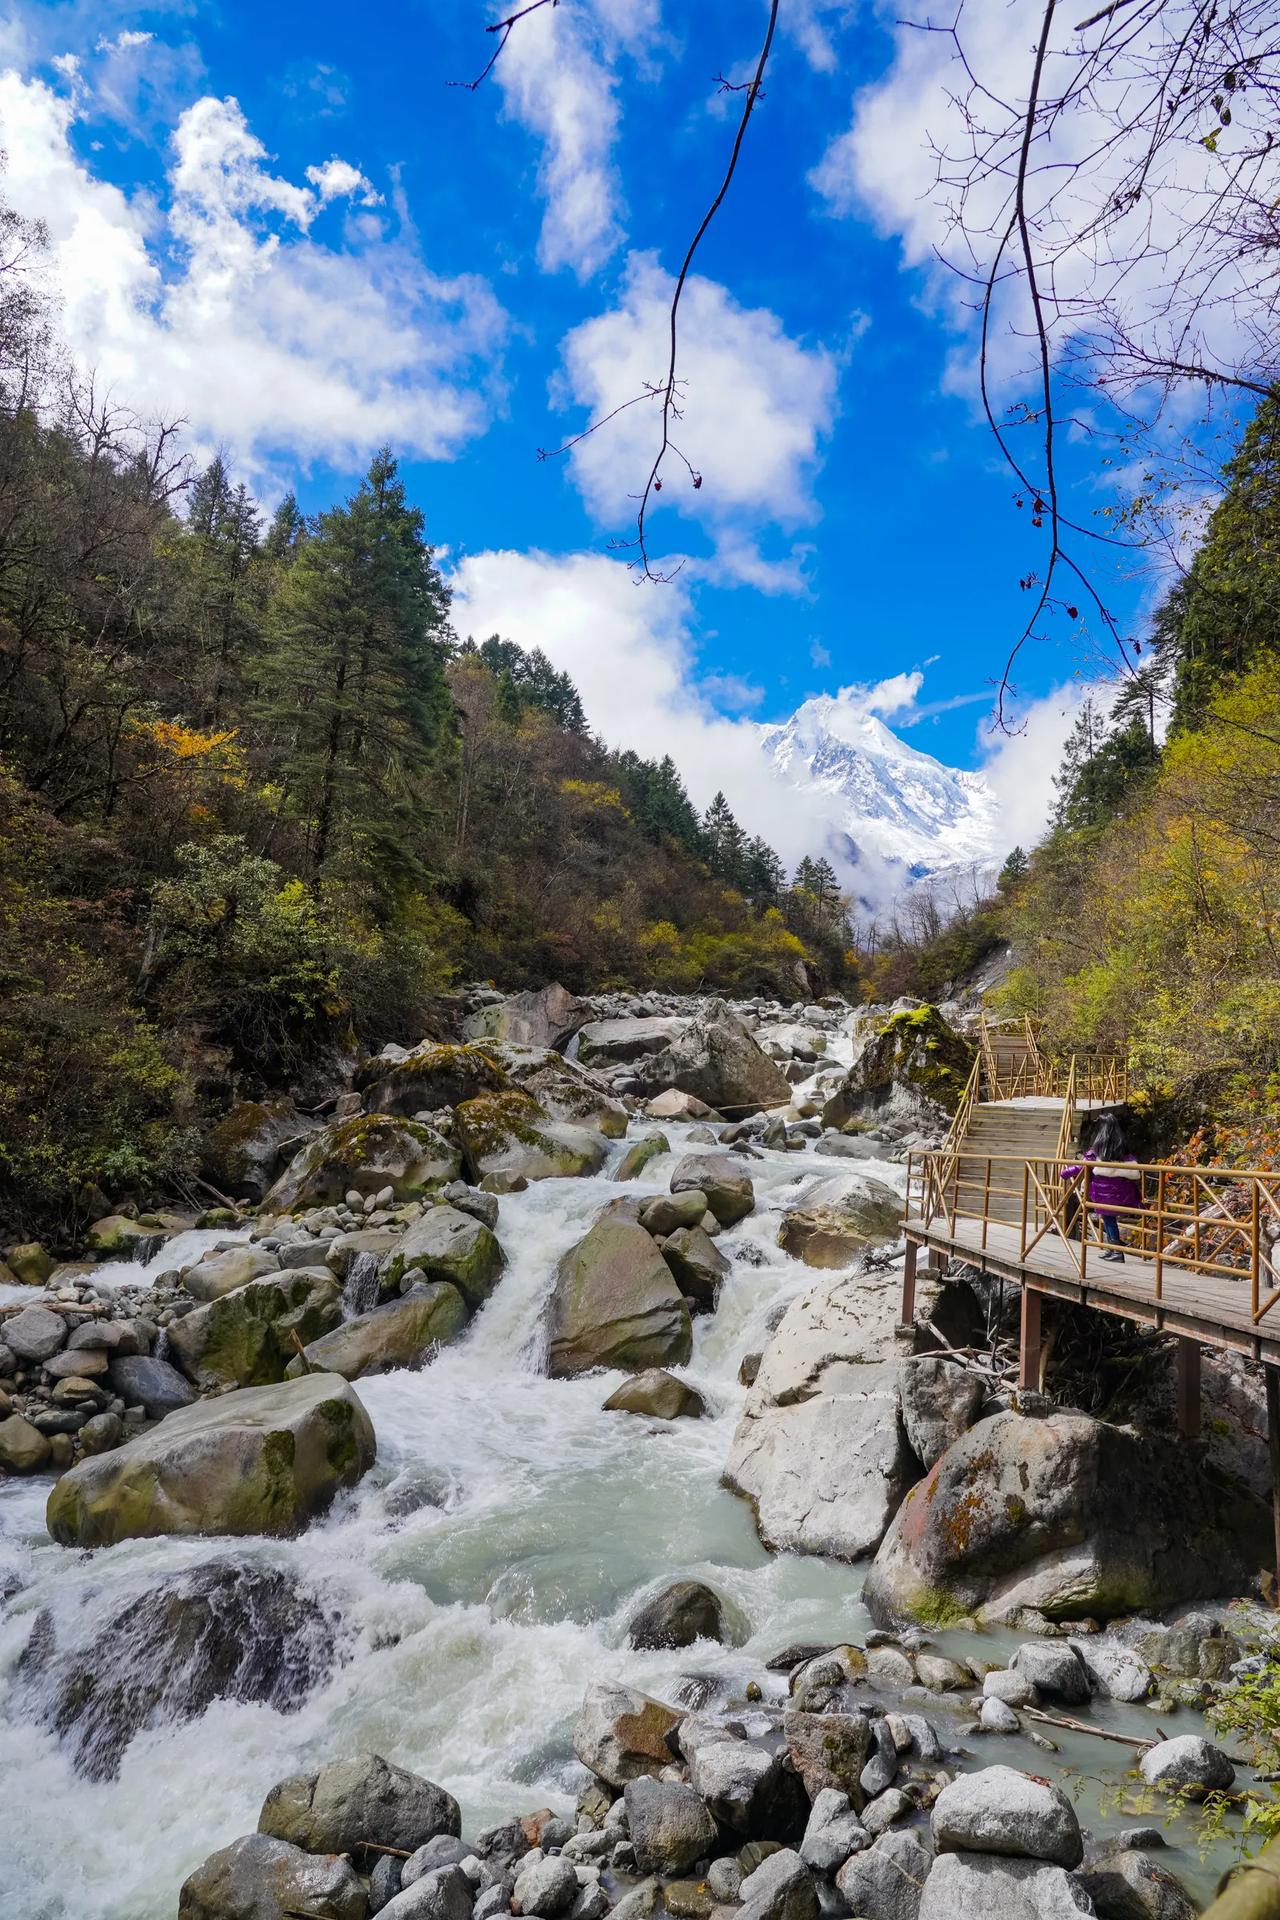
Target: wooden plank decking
{"x": 1198, "y": 1306}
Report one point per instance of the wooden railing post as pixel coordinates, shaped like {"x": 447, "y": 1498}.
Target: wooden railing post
{"x": 1029, "y": 1340}
{"x": 1189, "y": 1388}
{"x": 1255, "y": 1253}
{"x": 909, "y": 1284}
{"x": 1084, "y": 1222}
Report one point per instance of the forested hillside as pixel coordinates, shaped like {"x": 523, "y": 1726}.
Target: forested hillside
{"x": 259, "y": 801}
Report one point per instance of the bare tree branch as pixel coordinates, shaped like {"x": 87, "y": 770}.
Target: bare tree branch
{"x": 504, "y": 28}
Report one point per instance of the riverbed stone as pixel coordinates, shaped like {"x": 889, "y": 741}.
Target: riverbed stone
{"x": 1054, "y": 1669}
{"x": 406, "y": 1332}
{"x": 834, "y": 1831}
{"x": 615, "y": 1304}
{"x": 365, "y": 1799}
{"x": 364, "y": 1155}
{"x": 620, "y": 1733}
{"x": 638, "y": 1155}
{"x": 1013, "y": 1688}
{"x": 155, "y": 1385}
{"x": 222, "y": 1273}
{"x": 29, "y": 1263}
{"x": 659, "y": 1395}
{"x": 564, "y": 1090}
{"x": 35, "y": 1334}
{"x": 780, "y": 1888}
{"x": 246, "y": 1337}
{"x": 263, "y": 1460}
{"x": 23, "y": 1448}
{"x": 886, "y": 1881}
{"x": 697, "y": 1266}
{"x": 446, "y": 1894}
{"x": 750, "y": 1789}
{"x": 1125, "y": 1884}
{"x": 1187, "y": 1764}
{"x": 718, "y": 1060}
{"x": 511, "y": 1134}
{"x": 539, "y": 1017}
{"x": 838, "y": 1218}
{"x": 430, "y": 1077}
{"x": 995, "y": 1717}
{"x": 449, "y": 1245}
{"x": 722, "y": 1178}
{"x": 1114, "y": 1670}
{"x": 829, "y": 1751}
{"x": 983, "y": 1886}
{"x": 666, "y": 1213}
{"x": 1000, "y": 1810}
{"x": 940, "y": 1401}
{"x": 680, "y": 1614}
{"x": 547, "y": 1886}
{"x": 1065, "y": 1515}
{"x": 670, "y": 1827}
{"x": 260, "y": 1878}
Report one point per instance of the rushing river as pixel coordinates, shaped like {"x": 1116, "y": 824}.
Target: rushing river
{"x": 473, "y": 1629}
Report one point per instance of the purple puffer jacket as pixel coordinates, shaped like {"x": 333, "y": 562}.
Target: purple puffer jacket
{"x": 1109, "y": 1191}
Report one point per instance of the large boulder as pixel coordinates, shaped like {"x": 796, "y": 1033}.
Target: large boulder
{"x": 223, "y": 1631}
{"x": 885, "y": 1881}
{"x": 258, "y": 1878}
{"x": 613, "y": 1042}
{"x": 718, "y": 1060}
{"x": 404, "y": 1333}
{"x": 351, "y": 1804}
{"x": 247, "y": 1338}
{"x": 432, "y": 1076}
{"x": 657, "y": 1394}
{"x": 615, "y": 1304}
{"x": 820, "y": 1451}
{"x": 364, "y": 1155}
{"x": 940, "y": 1401}
{"x": 1125, "y": 1884}
{"x": 838, "y": 1218}
{"x": 621, "y": 1734}
{"x": 541, "y": 1017}
{"x": 446, "y": 1244}
{"x": 241, "y": 1153}
{"x": 154, "y": 1385}
{"x": 723, "y": 1180}
{"x": 224, "y": 1269}
{"x": 564, "y": 1090}
{"x": 829, "y": 1751}
{"x": 697, "y": 1266}
{"x": 264, "y": 1460}
{"x": 985, "y": 1886}
{"x": 1067, "y": 1516}
{"x": 910, "y": 1073}
{"x": 1000, "y": 1810}
{"x": 509, "y": 1133}
{"x": 750, "y": 1788}
{"x": 683, "y": 1612}
{"x": 670, "y": 1828}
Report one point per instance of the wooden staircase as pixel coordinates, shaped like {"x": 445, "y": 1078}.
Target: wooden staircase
{"x": 999, "y": 1133}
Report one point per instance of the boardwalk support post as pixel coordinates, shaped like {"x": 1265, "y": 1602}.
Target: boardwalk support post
{"x": 1189, "y": 1388}
{"x": 1029, "y": 1344}
{"x": 1272, "y": 1379}
{"x": 909, "y": 1284}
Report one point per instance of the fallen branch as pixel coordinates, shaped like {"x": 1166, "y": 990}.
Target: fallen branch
{"x": 1082, "y": 1726}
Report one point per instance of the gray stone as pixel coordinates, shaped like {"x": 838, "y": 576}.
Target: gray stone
{"x": 666, "y": 1213}
{"x": 996, "y": 1717}
{"x": 384, "y": 1882}
{"x": 940, "y": 1401}
{"x": 1002, "y": 1811}
{"x": 1007, "y": 1684}
{"x": 23, "y": 1446}
{"x": 670, "y": 1827}
{"x": 836, "y": 1220}
{"x": 780, "y": 1888}
{"x": 722, "y": 1178}
{"x": 750, "y": 1790}
{"x": 406, "y": 1332}
{"x": 657, "y": 1394}
{"x": 833, "y": 1833}
{"x": 639, "y": 1154}
{"x": 452, "y": 1246}
{"x": 1054, "y": 1668}
{"x": 259, "y": 1878}
{"x": 1114, "y": 1670}
{"x": 620, "y": 1734}
{"x": 882, "y": 1763}
{"x": 364, "y": 1799}
{"x": 446, "y": 1850}
{"x": 445, "y": 1894}
{"x": 1125, "y": 1885}
{"x": 612, "y": 1042}
{"x": 724, "y": 1879}
{"x": 221, "y": 1273}
{"x": 615, "y": 1304}
{"x": 548, "y": 1886}
{"x": 879, "y": 1814}
{"x": 246, "y": 1337}
{"x": 363, "y": 1155}
{"x": 829, "y": 1751}
{"x": 153, "y": 1384}
{"x": 682, "y": 1613}
{"x": 977, "y": 1886}
{"x": 1187, "y": 1764}
{"x": 36, "y": 1333}
{"x": 86, "y": 1363}
{"x": 697, "y": 1266}
{"x": 885, "y": 1882}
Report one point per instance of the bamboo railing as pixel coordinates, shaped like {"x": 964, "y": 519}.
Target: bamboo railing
{"x": 1218, "y": 1223}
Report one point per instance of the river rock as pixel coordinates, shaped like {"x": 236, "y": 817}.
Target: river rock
{"x": 620, "y": 1734}
{"x": 683, "y": 1612}
{"x": 446, "y": 1894}
{"x": 564, "y": 1090}
{"x": 449, "y": 1245}
{"x": 1187, "y": 1764}
{"x": 1068, "y": 1516}
{"x": 29, "y": 1263}
{"x": 839, "y": 1218}
{"x": 885, "y": 1881}
{"x": 639, "y": 1154}
{"x": 263, "y": 1460}
{"x": 615, "y": 1304}
{"x": 23, "y": 1448}
{"x": 981, "y": 1886}
{"x": 221, "y": 1273}
{"x": 780, "y": 1888}
{"x": 674, "y": 1105}
{"x": 154, "y": 1385}
{"x": 670, "y": 1828}
{"x": 995, "y": 1717}
{"x": 1127, "y": 1885}
{"x": 246, "y": 1338}
{"x": 541, "y": 1017}
{"x": 940, "y": 1401}
{"x": 718, "y": 1060}
{"x": 820, "y": 1450}
{"x": 240, "y": 1154}
{"x": 430, "y": 1077}
{"x": 833, "y": 1833}
{"x": 615, "y": 1042}
{"x": 697, "y": 1266}
{"x": 729, "y": 1193}
{"x": 829, "y": 1751}
{"x": 406, "y": 1332}
{"x": 1002, "y": 1811}
{"x": 548, "y": 1886}
{"x": 510, "y": 1134}
{"x": 749, "y": 1789}
{"x": 1054, "y": 1669}
{"x": 224, "y": 1631}
{"x": 349, "y": 1803}
{"x": 258, "y": 1878}
{"x": 658, "y": 1394}
{"x": 1114, "y": 1670}
{"x": 378, "y": 1241}
{"x": 365, "y": 1155}
{"x": 446, "y": 1850}
{"x": 667, "y": 1213}
{"x": 116, "y": 1237}
{"x": 34, "y": 1334}
{"x": 910, "y": 1074}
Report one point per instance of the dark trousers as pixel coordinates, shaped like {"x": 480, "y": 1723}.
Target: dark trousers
{"x": 1111, "y": 1229}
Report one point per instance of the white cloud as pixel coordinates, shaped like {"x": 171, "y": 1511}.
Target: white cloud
{"x": 559, "y": 79}
{"x": 127, "y": 42}
{"x": 339, "y": 180}
{"x": 814, "y": 25}
{"x": 221, "y": 307}
{"x": 755, "y": 405}
{"x": 1020, "y": 765}
{"x": 820, "y": 655}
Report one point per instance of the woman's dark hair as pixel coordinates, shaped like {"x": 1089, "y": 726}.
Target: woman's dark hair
{"x": 1110, "y": 1141}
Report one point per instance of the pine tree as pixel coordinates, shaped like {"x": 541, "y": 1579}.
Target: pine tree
{"x": 726, "y": 842}
{"x": 1015, "y": 868}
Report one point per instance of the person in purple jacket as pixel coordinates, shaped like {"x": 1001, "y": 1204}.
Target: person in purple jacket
{"x": 1110, "y": 1187}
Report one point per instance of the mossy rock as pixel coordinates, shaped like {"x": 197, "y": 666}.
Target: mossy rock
{"x": 266, "y": 1460}
{"x": 615, "y": 1304}
{"x": 510, "y": 1133}
{"x": 431, "y": 1077}
{"x": 449, "y": 1245}
{"x": 367, "y": 1153}
{"x": 639, "y": 1154}
{"x": 404, "y": 1333}
{"x": 29, "y": 1264}
{"x": 914, "y": 1068}
{"x": 246, "y": 1338}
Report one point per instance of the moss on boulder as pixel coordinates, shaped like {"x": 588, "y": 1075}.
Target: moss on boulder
{"x": 509, "y": 1133}
{"x": 913, "y": 1070}
{"x": 367, "y": 1153}
{"x": 403, "y": 1333}
{"x": 432, "y": 1076}
{"x": 246, "y": 1338}
{"x": 449, "y": 1245}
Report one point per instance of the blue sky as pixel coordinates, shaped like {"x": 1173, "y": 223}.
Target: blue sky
{"x": 486, "y": 269}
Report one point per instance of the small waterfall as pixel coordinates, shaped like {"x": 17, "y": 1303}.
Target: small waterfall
{"x": 360, "y": 1290}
